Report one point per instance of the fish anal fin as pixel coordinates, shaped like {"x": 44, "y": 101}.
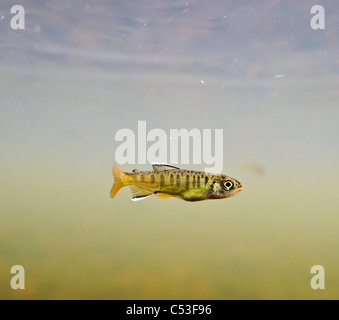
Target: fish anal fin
{"x": 139, "y": 193}
{"x": 163, "y": 167}
{"x": 139, "y": 198}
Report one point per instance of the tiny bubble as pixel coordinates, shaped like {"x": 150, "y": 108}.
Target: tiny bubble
{"x": 279, "y": 76}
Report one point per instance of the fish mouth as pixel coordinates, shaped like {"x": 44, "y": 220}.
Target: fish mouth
{"x": 234, "y": 193}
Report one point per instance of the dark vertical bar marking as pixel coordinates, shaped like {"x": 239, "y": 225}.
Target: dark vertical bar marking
{"x": 198, "y": 182}
{"x": 187, "y": 181}
{"x": 178, "y": 180}
{"x": 206, "y": 180}
{"x": 193, "y": 181}
{"x": 152, "y": 178}
{"x": 172, "y": 179}
{"x": 162, "y": 180}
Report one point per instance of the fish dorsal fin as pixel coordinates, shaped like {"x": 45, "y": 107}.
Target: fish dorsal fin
{"x": 163, "y": 195}
{"x": 139, "y": 193}
{"x": 157, "y": 166}
{"x": 136, "y": 170}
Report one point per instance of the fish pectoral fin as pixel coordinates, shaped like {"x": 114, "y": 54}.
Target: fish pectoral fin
{"x": 163, "y": 195}
{"x": 139, "y": 193}
{"x": 163, "y": 167}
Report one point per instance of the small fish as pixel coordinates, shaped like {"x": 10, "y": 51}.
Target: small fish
{"x": 167, "y": 181}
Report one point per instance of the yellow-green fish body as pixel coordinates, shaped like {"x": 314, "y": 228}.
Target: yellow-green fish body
{"x": 167, "y": 181}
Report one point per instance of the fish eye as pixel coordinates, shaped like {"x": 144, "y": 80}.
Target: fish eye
{"x": 228, "y": 184}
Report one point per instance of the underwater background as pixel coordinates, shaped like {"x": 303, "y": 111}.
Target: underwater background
{"x": 82, "y": 70}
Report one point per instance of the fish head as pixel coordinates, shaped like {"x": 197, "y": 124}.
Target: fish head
{"x": 220, "y": 187}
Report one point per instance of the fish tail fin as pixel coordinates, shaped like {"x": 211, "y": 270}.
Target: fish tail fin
{"x": 119, "y": 183}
